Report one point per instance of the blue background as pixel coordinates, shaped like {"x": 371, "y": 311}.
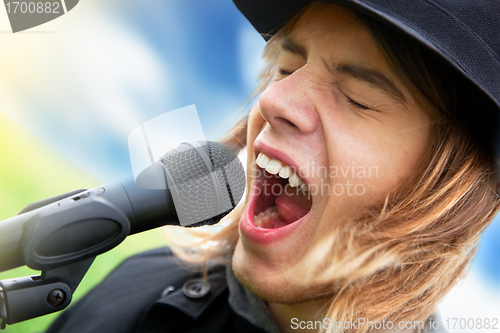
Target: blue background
{"x": 83, "y": 82}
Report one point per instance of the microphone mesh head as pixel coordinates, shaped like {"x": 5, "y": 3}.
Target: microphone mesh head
{"x": 206, "y": 180}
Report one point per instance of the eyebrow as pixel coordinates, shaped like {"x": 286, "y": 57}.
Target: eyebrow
{"x": 370, "y": 76}
{"x": 289, "y": 44}
{"x": 355, "y": 71}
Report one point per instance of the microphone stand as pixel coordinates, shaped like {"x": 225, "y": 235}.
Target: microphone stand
{"x": 33, "y": 296}
{"x": 63, "y": 239}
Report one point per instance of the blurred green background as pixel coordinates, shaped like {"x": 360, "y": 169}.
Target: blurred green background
{"x": 34, "y": 172}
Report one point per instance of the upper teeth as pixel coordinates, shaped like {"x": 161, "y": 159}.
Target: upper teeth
{"x": 276, "y": 167}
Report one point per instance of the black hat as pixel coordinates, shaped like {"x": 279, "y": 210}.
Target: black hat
{"x": 464, "y": 33}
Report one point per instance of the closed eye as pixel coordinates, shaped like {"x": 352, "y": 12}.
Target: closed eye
{"x": 284, "y": 72}
{"x": 356, "y": 104}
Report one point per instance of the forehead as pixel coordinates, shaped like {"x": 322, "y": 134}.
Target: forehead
{"x": 334, "y": 33}
{"x": 335, "y": 39}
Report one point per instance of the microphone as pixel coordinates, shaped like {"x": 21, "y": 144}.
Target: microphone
{"x": 195, "y": 184}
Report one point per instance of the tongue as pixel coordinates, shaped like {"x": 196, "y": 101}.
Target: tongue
{"x": 292, "y": 205}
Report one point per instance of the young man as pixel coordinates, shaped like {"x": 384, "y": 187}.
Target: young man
{"x": 371, "y": 174}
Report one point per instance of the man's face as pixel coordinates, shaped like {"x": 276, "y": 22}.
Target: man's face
{"x": 337, "y": 114}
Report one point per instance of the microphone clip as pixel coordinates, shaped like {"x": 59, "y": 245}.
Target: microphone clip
{"x": 33, "y": 296}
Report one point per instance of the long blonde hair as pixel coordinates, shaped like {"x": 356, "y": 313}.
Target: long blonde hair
{"x": 398, "y": 260}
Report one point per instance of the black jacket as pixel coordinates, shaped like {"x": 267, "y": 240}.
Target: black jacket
{"x": 151, "y": 292}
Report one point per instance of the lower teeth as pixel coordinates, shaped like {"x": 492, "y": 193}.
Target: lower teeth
{"x": 268, "y": 218}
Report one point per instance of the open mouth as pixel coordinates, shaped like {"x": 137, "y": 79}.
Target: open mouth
{"x": 282, "y": 197}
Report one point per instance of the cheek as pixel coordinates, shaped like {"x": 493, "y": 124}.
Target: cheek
{"x": 378, "y": 162}
{"x": 255, "y": 124}
{"x": 404, "y": 151}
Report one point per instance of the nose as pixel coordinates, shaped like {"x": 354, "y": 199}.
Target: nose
{"x": 288, "y": 104}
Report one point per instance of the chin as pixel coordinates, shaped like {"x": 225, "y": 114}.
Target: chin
{"x": 272, "y": 284}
